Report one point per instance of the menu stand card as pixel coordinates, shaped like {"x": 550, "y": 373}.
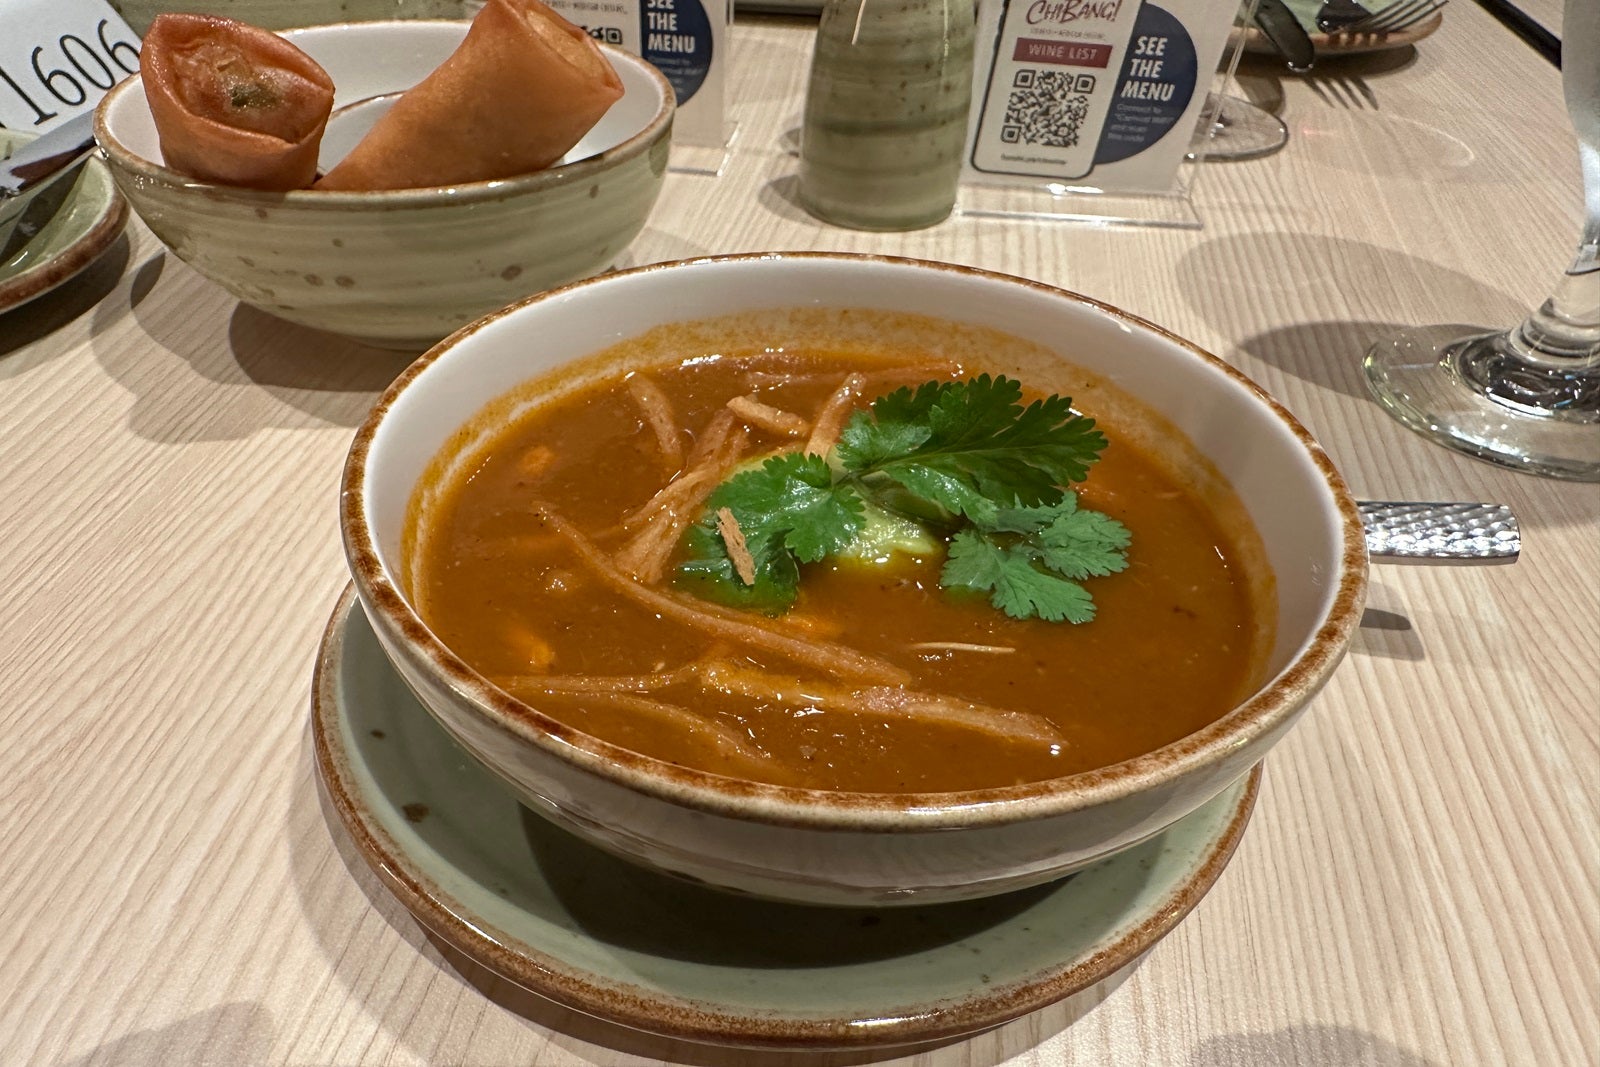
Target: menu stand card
{"x": 688, "y": 41}
{"x": 1084, "y": 110}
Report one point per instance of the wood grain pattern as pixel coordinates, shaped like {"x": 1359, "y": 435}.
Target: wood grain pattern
{"x": 1420, "y": 886}
{"x": 1546, "y": 12}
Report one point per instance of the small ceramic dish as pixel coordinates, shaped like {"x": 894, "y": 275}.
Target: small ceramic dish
{"x": 402, "y": 268}
{"x": 60, "y": 232}
{"x": 820, "y": 846}
{"x": 537, "y": 906}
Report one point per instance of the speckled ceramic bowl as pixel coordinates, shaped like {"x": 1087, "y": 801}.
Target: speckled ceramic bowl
{"x": 401, "y": 268}
{"x": 855, "y": 848}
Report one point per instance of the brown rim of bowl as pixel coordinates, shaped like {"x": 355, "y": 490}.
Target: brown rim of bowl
{"x": 443, "y": 914}
{"x": 825, "y": 809}
{"x": 436, "y": 196}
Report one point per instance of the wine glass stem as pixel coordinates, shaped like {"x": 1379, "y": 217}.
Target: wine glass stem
{"x": 1564, "y": 332}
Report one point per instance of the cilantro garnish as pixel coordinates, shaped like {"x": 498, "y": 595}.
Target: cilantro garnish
{"x": 1030, "y": 560}
{"x": 964, "y": 459}
{"x": 791, "y": 511}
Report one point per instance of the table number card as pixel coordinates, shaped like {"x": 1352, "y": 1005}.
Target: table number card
{"x": 58, "y": 58}
{"x": 1097, "y": 94}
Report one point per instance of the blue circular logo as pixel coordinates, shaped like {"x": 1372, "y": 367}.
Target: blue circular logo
{"x": 677, "y": 39}
{"x": 1157, "y": 82}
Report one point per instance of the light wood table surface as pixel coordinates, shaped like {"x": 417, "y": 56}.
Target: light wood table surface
{"x": 1420, "y": 886}
{"x": 1545, "y": 12}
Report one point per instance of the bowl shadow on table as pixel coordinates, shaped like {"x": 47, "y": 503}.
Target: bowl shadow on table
{"x": 1305, "y": 1044}
{"x": 229, "y": 1033}
{"x": 257, "y": 372}
{"x": 750, "y": 932}
{"x": 51, "y": 311}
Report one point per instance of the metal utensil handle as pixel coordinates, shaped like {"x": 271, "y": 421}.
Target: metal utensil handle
{"x": 1414, "y": 532}
{"x": 37, "y": 161}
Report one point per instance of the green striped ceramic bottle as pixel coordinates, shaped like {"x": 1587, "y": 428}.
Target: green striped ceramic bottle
{"x": 886, "y": 112}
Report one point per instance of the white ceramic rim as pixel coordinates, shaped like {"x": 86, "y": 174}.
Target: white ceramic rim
{"x": 439, "y": 196}
{"x": 1274, "y": 702}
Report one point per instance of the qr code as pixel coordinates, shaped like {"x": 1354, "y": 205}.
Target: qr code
{"x": 1046, "y": 107}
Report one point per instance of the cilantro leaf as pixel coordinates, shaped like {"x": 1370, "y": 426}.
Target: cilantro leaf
{"x": 1030, "y": 520}
{"x": 951, "y": 495}
{"x": 870, "y": 438}
{"x": 1015, "y": 585}
{"x": 908, "y": 405}
{"x": 709, "y": 574}
{"x": 790, "y": 512}
{"x": 792, "y": 499}
{"x": 1085, "y": 544}
{"x": 971, "y": 446}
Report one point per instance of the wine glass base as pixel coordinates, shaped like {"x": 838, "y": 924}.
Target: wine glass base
{"x": 1474, "y": 395}
{"x": 1238, "y": 130}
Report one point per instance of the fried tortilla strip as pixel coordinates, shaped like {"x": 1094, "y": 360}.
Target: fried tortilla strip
{"x": 656, "y": 410}
{"x": 726, "y": 751}
{"x": 675, "y": 508}
{"x": 722, "y": 623}
{"x": 234, "y": 104}
{"x": 744, "y": 564}
{"x": 832, "y": 415}
{"x": 766, "y": 417}
{"x": 524, "y": 87}
{"x": 887, "y": 702}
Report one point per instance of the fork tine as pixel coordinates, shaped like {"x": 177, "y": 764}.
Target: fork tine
{"x": 1397, "y": 16}
{"x": 1400, "y": 15}
{"x": 1398, "y": 20}
{"x": 1381, "y": 17}
{"x": 1428, "y": 12}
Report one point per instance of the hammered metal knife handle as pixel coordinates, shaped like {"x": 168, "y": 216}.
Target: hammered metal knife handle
{"x": 1414, "y": 532}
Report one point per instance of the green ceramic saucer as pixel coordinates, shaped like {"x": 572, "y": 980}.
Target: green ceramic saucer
{"x": 63, "y": 231}
{"x": 600, "y": 935}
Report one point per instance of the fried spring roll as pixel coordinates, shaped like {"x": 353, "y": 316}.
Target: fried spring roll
{"x": 234, "y": 104}
{"x": 524, "y": 86}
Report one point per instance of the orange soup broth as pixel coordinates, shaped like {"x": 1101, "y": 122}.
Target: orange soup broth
{"x": 1179, "y": 637}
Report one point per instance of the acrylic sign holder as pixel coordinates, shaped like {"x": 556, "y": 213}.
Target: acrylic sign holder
{"x": 1106, "y": 195}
